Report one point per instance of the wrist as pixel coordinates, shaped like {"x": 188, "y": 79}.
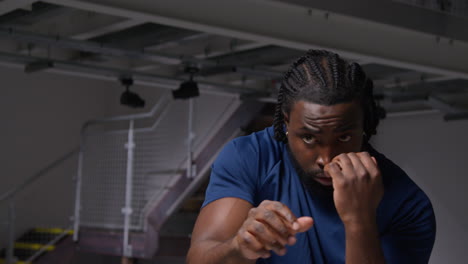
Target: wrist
{"x": 234, "y": 249}
{"x": 360, "y": 224}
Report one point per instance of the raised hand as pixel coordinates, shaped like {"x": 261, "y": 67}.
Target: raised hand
{"x": 358, "y": 186}
{"x": 270, "y": 226}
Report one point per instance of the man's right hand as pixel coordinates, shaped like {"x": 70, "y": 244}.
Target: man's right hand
{"x": 270, "y": 226}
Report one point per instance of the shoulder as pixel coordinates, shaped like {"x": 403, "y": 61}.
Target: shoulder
{"x": 259, "y": 147}
{"x": 405, "y": 204}
{"x": 394, "y": 177}
{"x": 405, "y": 215}
{"x": 242, "y": 165}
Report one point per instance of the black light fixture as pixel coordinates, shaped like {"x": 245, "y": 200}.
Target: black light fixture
{"x": 187, "y": 89}
{"x": 128, "y": 98}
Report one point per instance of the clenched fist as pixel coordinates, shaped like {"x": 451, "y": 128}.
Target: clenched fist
{"x": 270, "y": 226}
{"x": 358, "y": 187}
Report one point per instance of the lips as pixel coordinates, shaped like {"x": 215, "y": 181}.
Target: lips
{"x": 327, "y": 181}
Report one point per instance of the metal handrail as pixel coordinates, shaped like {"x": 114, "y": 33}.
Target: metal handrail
{"x": 161, "y": 106}
{"x": 10, "y": 195}
{"x": 12, "y": 192}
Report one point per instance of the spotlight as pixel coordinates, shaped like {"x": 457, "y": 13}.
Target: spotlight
{"x": 187, "y": 89}
{"x": 128, "y": 98}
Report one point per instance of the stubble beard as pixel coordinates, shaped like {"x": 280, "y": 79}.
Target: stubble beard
{"x": 308, "y": 178}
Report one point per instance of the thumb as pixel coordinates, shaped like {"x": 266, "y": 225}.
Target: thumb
{"x": 304, "y": 223}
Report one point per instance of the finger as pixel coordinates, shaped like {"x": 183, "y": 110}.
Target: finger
{"x": 280, "y": 209}
{"x": 284, "y": 211}
{"x": 345, "y": 164}
{"x": 305, "y": 223}
{"x": 275, "y": 222}
{"x": 250, "y": 245}
{"x": 370, "y": 163}
{"x": 266, "y": 236}
{"x": 359, "y": 169}
{"x": 334, "y": 171}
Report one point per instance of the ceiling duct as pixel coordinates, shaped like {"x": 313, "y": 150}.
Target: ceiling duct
{"x": 452, "y": 7}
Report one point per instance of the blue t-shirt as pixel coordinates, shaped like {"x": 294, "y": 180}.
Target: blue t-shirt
{"x": 257, "y": 168}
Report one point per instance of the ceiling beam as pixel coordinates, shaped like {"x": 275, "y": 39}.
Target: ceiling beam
{"x": 394, "y": 13}
{"x": 7, "y": 6}
{"x": 127, "y": 23}
{"x": 296, "y": 27}
{"x": 113, "y": 74}
{"x": 98, "y": 48}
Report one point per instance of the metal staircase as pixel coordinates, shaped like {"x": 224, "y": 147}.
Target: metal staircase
{"x": 134, "y": 172}
{"x": 131, "y": 179}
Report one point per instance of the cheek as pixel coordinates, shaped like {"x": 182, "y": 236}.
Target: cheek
{"x": 304, "y": 154}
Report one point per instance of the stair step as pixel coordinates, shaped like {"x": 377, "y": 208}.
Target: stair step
{"x": 3, "y": 261}
{"x": 33, "y": 246}
{"x": 19, "y": 253}
{"x": 32, "y": 241}
{"x": 42, "y": 235}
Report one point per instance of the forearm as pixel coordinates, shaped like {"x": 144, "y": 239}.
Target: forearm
{"x": 215, "y": 252}
{"x": 363, "y": 244}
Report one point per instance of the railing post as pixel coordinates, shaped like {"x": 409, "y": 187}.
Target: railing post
{"x": 11, "y": 232}
{"x": 127, "y": 210}
{"x": 76, "y": 217}
{"x": 190, "y": 167}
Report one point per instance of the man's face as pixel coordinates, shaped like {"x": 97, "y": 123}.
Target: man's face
{"x": 317, "y": 133}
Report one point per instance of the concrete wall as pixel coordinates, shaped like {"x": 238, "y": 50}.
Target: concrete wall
{"x": 434, "y": 153}
{"x": 41, "y": 116}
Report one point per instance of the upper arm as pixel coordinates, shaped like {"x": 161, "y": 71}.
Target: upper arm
{"x": 234, "y": 173}
{"x": 412, "y": 238}
{"x": 220, "y": 220}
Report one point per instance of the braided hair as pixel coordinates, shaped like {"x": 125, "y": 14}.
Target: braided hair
{"x": 324, "y": 78}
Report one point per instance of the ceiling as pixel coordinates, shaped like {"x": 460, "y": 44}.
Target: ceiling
{"x": 415, "y": 51}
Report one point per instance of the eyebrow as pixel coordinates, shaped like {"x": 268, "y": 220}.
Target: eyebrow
{"x": 345, "y": 127}
{"x": 340, "y": 128}
{"x": 311, "y": 129}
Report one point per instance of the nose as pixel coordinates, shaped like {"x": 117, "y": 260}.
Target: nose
{"x": 325, "y": 155}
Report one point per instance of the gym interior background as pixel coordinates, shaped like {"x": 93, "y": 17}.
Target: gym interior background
{"x": 98, "y": 147}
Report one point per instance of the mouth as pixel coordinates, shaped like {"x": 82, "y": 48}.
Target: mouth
{"x": 324, "y": 180}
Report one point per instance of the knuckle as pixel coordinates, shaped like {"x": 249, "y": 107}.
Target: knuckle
{"x": 364, "y": 154}
{"x": 258, "y": 227}
{"x": 252, "y": 211}
{"x": 342, "y": 156}
{"x": 277, "y": 205}
{"x": 283, "y": 230}
{"x": 268, "y": 215}
{"x": 246, "y": 237}
{"x": 346, "y": 161}
{"x": 362, "y": 173}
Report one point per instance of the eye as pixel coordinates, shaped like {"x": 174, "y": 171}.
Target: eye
{"x": 344, "y": 138}
{"x": 309, "y": 139}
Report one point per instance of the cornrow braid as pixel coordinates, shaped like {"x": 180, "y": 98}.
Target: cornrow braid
{"x": 317, "y": 71}
{"x": 279, "y": 118}
{"x": 323, "y": 77}
{"x": 291, "y": 80}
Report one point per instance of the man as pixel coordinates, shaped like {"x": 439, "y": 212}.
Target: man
{"x": 311, "y": 189}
